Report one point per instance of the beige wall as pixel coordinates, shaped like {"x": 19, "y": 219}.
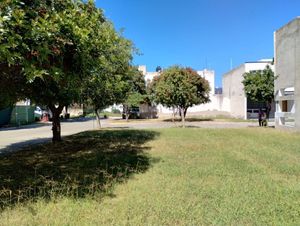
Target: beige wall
{"x": 233, "y": 92}
{"x": 209, "y": 75}
{"x": 214, "y": 104}
{"x": 234, "y": 98}
{"x": 287, "y": 68}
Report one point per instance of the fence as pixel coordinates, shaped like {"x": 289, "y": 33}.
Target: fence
{"x": 22, "y": 115}
{"x": 5, "y": 116}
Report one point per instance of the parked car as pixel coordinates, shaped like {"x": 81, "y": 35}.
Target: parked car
{"x": 38, "y": 113}
{"x": 253, "y": 113}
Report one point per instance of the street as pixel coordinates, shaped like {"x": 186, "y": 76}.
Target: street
{"x": 12, "y": 139}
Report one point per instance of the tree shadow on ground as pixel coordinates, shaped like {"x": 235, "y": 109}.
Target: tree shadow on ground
{"x": 87, "y": 163}
{"x": 18, "y": 146}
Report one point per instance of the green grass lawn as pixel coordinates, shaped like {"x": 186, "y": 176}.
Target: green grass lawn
{"x": 217, "y": 118}
{"x": 156, "y": 177}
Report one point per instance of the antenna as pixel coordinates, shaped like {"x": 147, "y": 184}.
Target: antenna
{"x": 230, "y": 63}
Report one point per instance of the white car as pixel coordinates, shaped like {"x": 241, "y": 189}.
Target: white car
{"x": 38, "y": 113}
{"x": 253, "y": 113}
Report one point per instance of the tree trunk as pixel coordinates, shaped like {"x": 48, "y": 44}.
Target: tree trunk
{"x": 185, "y": 110}
{"x": 98, "y": 118}
{"x": 182, "y": 117}
{"x": 56, "y": 128}
{"x": 173, "y": 115}
{"x": 127, "y": 112}
{"x": 268, "y": 109}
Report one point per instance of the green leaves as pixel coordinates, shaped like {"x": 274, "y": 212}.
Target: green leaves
{"x": 63, "y": 49}
{"x": 259, "y": 85}
{"x": 134, "y": 99}
{"x": 180, "y": 87}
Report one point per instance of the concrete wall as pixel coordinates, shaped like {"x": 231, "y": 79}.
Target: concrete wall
{"x": 74, "y": 110}
{"x": 215, "y": 105}
{"x": 252, "y": 66}
{"x": 143, "y": 69}
{"x": 149, "y": 76}
{"x": 210, "y": 77}
{"x": 234, "y": 98}
{"x": 287, "y": 68}
{"x": 216, "y": 100}
{"x": 233, "y": 92}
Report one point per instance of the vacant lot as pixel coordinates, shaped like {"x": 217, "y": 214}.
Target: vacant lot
{"x": 172, "y": 176}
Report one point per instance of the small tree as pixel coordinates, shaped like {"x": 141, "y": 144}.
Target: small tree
{"x": 259, "y": 86}
{"x": 180, "y": 88}
{"x": 136, "y": 93}
{"x": 109, "y": 84}
{"x": 104, "y": 91}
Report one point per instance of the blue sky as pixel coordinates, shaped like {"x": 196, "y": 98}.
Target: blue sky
{"x": 200, "y": 33}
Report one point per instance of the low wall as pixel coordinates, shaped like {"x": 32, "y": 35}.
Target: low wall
{"x": 5, "y": 116}
{"x": 22, "y": 115}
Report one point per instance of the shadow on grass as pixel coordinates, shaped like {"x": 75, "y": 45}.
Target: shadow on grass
{"x": 190, "y": 120}
{"x": 22, "y": 145}
{"x": 87, "y": 163}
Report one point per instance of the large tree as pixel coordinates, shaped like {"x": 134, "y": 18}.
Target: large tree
{"x": 10, "y": 87}
{"x": 259, "y": 86}
{"x": 54, "y": 46}
{"x": 181, "y": 88}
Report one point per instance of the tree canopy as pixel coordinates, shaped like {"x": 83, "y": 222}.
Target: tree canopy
{"x": 259, "y": 86}
{"x": 136, "y": 93}
{"x": 181, "y": 88}
{"x": 54, "y": 47}
{"x": 110, "y": 83}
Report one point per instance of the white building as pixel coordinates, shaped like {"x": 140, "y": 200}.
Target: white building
{"x": 234, "y": 98}
{"x": 216, "y": 99}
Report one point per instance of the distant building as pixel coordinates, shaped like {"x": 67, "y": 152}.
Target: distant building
{"x": 287, "y": 68}
{"x": 148, "y": 75}
{"x": 216, "y": 99}
{"x": 234, "y": 98}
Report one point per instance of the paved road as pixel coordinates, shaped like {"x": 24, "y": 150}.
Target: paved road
{"x": 12, "y": 139}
